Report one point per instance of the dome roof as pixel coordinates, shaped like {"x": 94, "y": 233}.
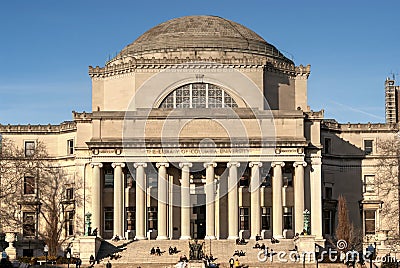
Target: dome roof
{"x": 200, "y": 33}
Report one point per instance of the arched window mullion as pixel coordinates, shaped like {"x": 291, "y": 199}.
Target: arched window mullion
{"x": 191, "y": 95}
{"x": 206, "y": 95}
{"x": 174, "y": 98}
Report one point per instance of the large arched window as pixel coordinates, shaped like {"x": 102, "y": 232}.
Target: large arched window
{"x": 198, "y": 95}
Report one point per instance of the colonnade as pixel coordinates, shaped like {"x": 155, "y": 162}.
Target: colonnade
{"x": 233, "y": 203}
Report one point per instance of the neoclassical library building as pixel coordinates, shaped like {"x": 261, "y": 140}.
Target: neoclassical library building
{"x": 201, "y": 129}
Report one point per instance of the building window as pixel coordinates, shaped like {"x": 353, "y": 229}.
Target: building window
{"x": 267, "y": 181}
{"x": 369, "y": 184}
{"x": 130, "y": 218}
{"x": 244, "y": 181}
{"x": 28, "y": 225}
{"x": 368, "y": 146}
{"x": 328, "y": 193}
{"x": 266, "y": 218}
{"x": 244, "y": 218}
{"x": 29, "y": 148}
{"x": 108, "y": 178}
{"x": 69, "y": 223}
{"x": 108, "y": 219}
{"x": 288, "y": 175}
{"x": 198, "y": 95}
{"x": 327, "y": 146}
{"x": 130, "y": 182}
{"x": 369, "y": 221}
{"x": 29, "y": 185}
{"x": 69, "y": 194}
{"x": 329, "y": 221}
{"x": 152, "y": 180}
{"x": 70, "y": 147}
{"x": 152, "y": 216}
{"x": 287, "y": 218}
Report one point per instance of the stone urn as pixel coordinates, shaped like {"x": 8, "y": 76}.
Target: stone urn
{"x": 11, "y": 250}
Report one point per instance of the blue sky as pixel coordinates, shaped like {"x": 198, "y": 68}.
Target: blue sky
{"x": 47, "y": 46}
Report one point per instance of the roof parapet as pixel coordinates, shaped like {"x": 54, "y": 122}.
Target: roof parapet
{"x": 334, "y": 125}
{"x": 65, "y": 126}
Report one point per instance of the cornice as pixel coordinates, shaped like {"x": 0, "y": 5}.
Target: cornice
{"x": 134, "y": 65}
{"x": 67, "y": 126}
{"x": 332, "y": 125}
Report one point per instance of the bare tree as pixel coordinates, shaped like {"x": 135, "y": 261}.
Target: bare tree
{"x": 387, "y": 184}
{"x": 345, "y": 229}
{"x": 45, "y": 192}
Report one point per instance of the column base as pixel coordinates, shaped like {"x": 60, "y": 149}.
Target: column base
{"x": 185, "y": 237}
{"x": 278, "y": 236}
{"x": 210, "y": 237}
{"x": 320, "y": 241}
{"x": 233, "y": 237}
{"x": 161, "y": 237}
{"x": 140, "y": 237}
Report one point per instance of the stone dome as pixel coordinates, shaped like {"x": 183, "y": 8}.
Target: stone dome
{"x": 197, "y": 34}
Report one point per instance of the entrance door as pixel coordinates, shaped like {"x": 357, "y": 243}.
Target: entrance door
{"x": 199, "y": 222}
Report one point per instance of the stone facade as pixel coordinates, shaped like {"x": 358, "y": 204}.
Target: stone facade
{"x": 201, "y": 129}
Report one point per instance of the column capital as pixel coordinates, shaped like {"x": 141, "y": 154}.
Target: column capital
{"x": 210, "y": 164}
{"x": 233, "y": 164}
{"x": 118, "y": 164}
{"x": 136, "y": 165}
{"x": 301, "y": 163}
{"x": 93, "y": 164}
{"x": 252, "y": 164}
{"x": 273, "y": 164}
{"x": 165, "y": 164}
{"x": 181, "y": 165}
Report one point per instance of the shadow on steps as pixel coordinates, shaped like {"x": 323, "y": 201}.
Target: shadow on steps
{"x": 108, "y": 250}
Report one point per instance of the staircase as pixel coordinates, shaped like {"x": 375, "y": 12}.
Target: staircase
{"x": 137, "y": 253}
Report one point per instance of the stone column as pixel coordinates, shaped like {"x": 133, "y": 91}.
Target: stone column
{"x": 277, "y": 215}
{"x": 316, "y": 198}
{"x": 96, "y": 197}
{"x": 210, "y": 199}
{"x": 255, "y": 208}
{"x": 233, "y": 204}
{"x": 162, "y": 214}
{"x": 118, "y": 199}
{"x": 299, "y": 196}
{"x": 185, "y": 200}
{"x": 140, "y": 201}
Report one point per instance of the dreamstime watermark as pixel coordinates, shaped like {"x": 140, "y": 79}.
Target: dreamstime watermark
{"x": 324, "y": 255}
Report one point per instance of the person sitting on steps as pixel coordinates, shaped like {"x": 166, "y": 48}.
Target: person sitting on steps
{"x": 152, "y": 251}
{"x": 116, "y": 238}
{"x": 274, "y": 240}
{"x": 94, "y": 233}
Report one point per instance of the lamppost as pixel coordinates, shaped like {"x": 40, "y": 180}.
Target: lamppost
{"x": 88, "y": 223}
{"x": 370, "y": 254}
{"x": 306, "y": 214}
{"x": 46, "y": 253}
{"x": 68, "y": 258}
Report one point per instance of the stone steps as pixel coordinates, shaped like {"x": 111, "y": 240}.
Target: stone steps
{"x": 137, "y": 253}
